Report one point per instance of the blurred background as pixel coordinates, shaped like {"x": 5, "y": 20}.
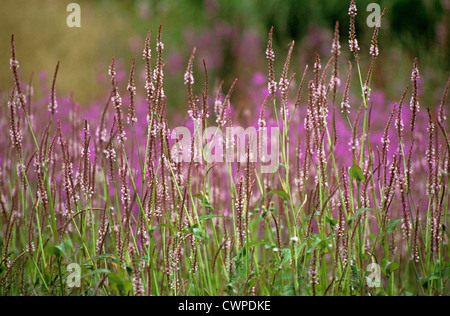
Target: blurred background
{"x": 230, "y": 35}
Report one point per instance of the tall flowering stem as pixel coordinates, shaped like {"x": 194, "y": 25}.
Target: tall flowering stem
{"x": 53, "y": 102}
{"x": 353, "y": 42}
{"x": 270, "y": 54}
{"x": 414, "y": 104}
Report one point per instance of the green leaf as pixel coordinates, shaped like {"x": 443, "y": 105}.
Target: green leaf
{"x": 198, "y": 233}
{"x": 54, "y": 251}
{"x": 373, "y": 236}
{"x": 204, "y": 199}
{"x": 280, "y": 193}
{"x": 60, "y": 250}
{"x": 393, "y": 266}
{"x": 331, "y": 221}
{"x": 426, "y": 281}
{"x": 356, "y": 173}
{"x": 300, "y": 248}
{"x": 251, "y": 283}
{"x": 164, "y": 225}
{"x": 216, "y": 216}
{"x": 320, "y": 243}
{"x": 209, "y": 206}
{"x": 285, "y": 255}
{"x": 104, "y": 256}
{"x": 317, "y": 240}
{"x": 388, "y": 266}
{"x": 392, "y": 226}
{"x": 99, "y": 271}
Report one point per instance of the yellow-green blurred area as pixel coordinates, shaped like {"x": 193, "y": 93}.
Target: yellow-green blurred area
{"x": 230, "y": 35}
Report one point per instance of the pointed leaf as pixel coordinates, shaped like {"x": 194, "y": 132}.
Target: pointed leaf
{"x": 280, "y": 193}
{"x": 392, "y": 226}
{"x": 356, "y": 173}
{"x": 99, "y": 271}
{"x": 104, "y": 256}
